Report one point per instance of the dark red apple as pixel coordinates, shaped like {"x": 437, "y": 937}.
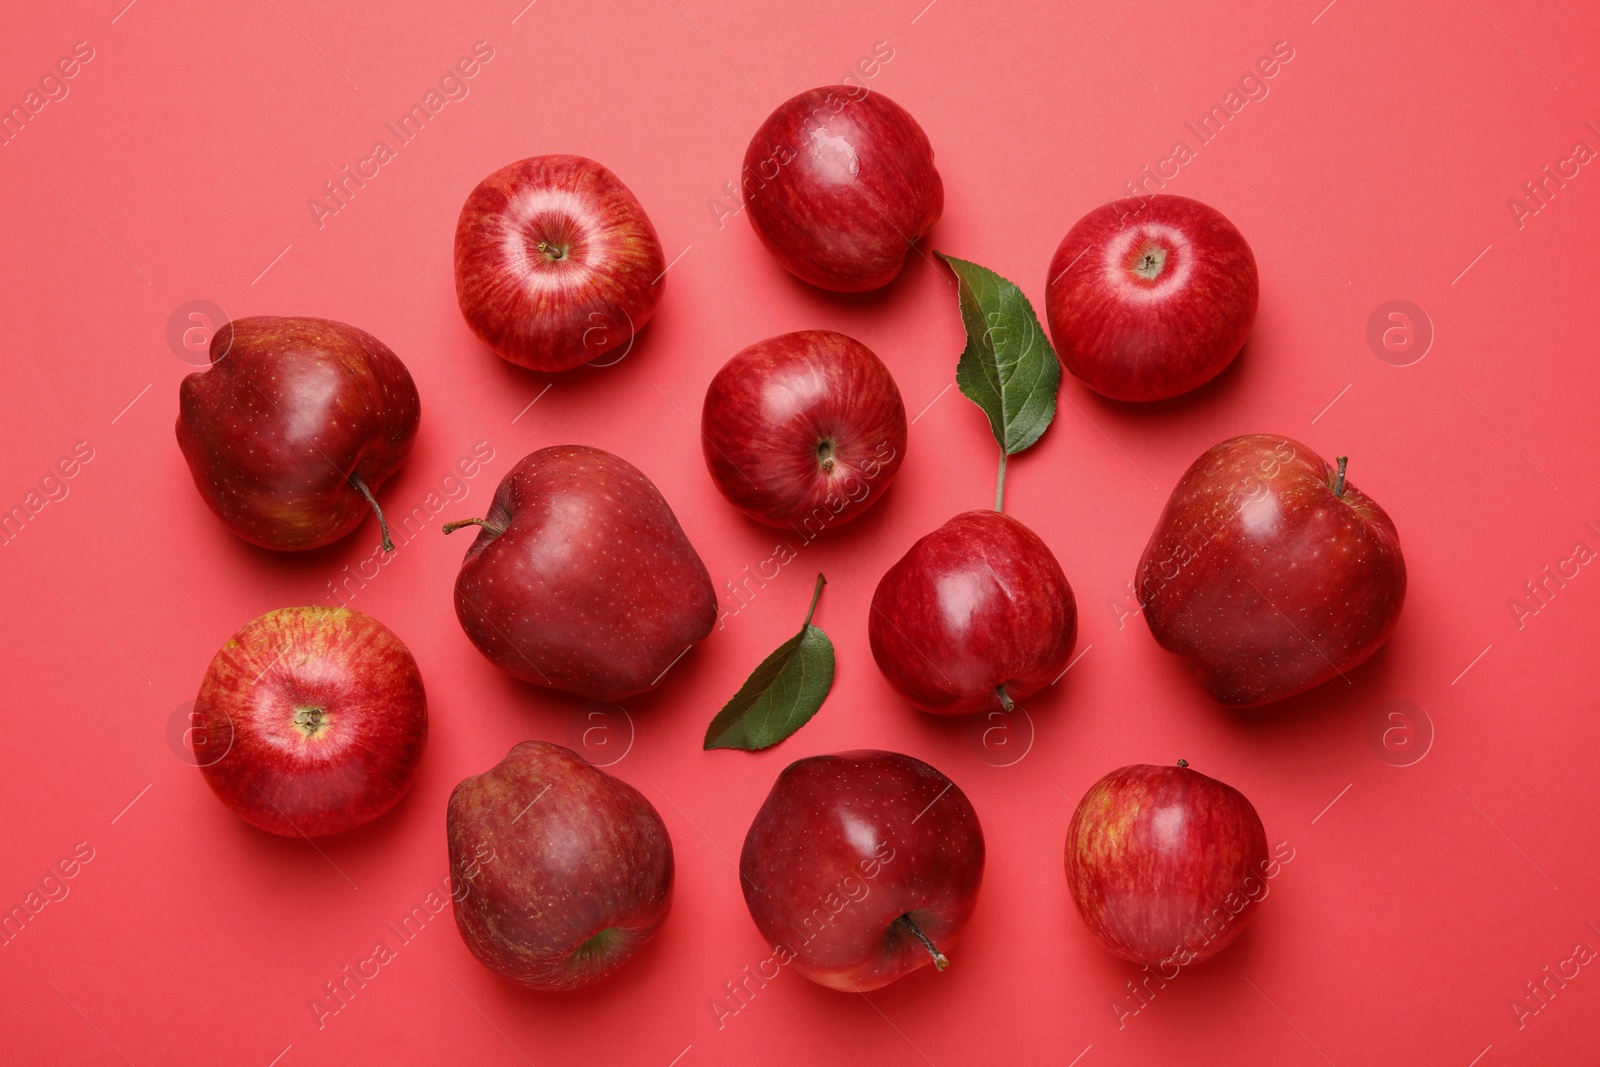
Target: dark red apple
{"x": 581, "y": 578}
{"x": 1269, "y": 572}
{"x": 560, "y": 872}
{"x": 1151, "y": 297}
{"x": 556, "y": 262}
{"x": 321, "y": 719}
{"x": 1165, "y": 864}
{"x": 862, "y": 867}
{"x": 839, "y": 182}
{"x": 974, "y": 617}
{"x": 804, "y": 430}
{"x": 294, "y": 428}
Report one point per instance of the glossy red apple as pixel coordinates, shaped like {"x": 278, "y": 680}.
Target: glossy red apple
{"x": 294, "y": 428}
{"x": 560, "y": 872}
{"x": 805, "y": 430}
{"x": 1151, "y": 297}
{"x": 862, "y": 867}
{"x": 320, "y": 717}
{"x": 839, "y": 182}
{"x": 1165, "y": 864}
{"x": 974, "y": 617}
{"x": 580, "y": 578}
{"x": 1269, "y": 572}
{"x": 556, "y": 263}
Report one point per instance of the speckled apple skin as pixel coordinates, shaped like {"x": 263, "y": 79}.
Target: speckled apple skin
{"x": 979, "y": 603}
{"x": 593, "y": 587}
{"x": 839, "y": 182}
{"x": 1263, "y": 579}
{"x": 290, "y": 409}
{"x": 1165, "y": 864}
{"x": 546, "y": 851}
{"x": 846, "y": 844}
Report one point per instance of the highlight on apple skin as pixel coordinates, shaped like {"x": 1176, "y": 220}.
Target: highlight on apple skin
{"x": 1151, "y": 297}
{"x": 1270, "y": 572}
{"x": 556, "y": 263}
{"x": 839, "y": 183}
{"x": 321, "y": 719}
{"x": 294, "y": 428}
{"x": 559, "y": 871}
{"x": 804, "y": 430}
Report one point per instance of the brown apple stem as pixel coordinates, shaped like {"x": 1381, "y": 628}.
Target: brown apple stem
{"x": 1338, "y": 486}
{"x": 452, "y": 527}
{"x": 1000, "y": 483}
{"x": 383, "y": 523}
{"x": 1183, "y": 763}
{"x": 1005, "y": 698}
{"x": 816, "y": 595}
{"x": 940, "y": 960}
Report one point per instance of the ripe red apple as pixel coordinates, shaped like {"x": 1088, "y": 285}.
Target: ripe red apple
{"x": 1151, "y": 297}
{"x": 975, "y": 616}
{"x": 561, "y": 872}
{"x": 320, "y": 716}
{"x": 1269, "y": 572}
{"x": 839, "y": 182}
{"x": 803, "y": 430}
{"x": 861, "y": 867}
{"x": 1165, "y": 864}
{"x": 294, "y": 428}
{"x": 581, "y": 578}
{"x": 556, "y": 262}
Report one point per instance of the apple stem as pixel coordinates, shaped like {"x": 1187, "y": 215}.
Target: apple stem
{"x": 383, "y": 524}
{"x": 816, "y": 595}
{"x": 1000, "y": 483}
{"x": 940, "y": 960}
{"x": 1005, "y": 698}
{"x": 452, "y": 527}
{"x": 1338, "y": 486}
{"x": 1183, "y": 763}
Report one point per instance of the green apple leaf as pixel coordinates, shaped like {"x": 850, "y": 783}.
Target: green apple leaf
{"x": 782, "y": 694}
{"x": 1008, "y": 367}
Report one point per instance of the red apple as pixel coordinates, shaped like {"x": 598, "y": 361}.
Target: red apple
{"x": 581, "y": 578}
{"x": 295, "y": 427}
{"x": 556, "y": 262}
{"x": 1151, "y": 297}
{"x": 561, "y": 872}
{"x": 804, "y": 430}
{"x": 1269, "y": 572}
{"x": 974, "y": 617}
{"x": 839, "y": 182}
{"x": 321, "y": 717}
{"x": 1165, "y": 864}
{"x": 862, "y": 867}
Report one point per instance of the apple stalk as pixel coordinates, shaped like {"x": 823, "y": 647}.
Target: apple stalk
{"x": 940, "y": 960}
{"x": 372, "y": 501}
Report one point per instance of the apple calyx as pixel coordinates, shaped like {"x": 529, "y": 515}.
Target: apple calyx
{"x": 1183, "y": 763}
{"x": 311, "y": 722}
{"x": 372, "y": 501}
{"x": 452, "y": 527}
{"x": 1005, "y": 698}
{"x": 1338, "y": 486}
{"x": 1149, "y": 262}
{"x": 940, "y": 960}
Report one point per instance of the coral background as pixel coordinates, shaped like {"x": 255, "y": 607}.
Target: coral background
{"x": 1376, "y": 164}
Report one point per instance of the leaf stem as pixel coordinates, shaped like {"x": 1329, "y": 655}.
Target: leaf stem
{"x": 1000, "y": 483}
{"x": 372, "y": 501}
{"x": 940, "y": 960}
{"x": 816, "y": 595}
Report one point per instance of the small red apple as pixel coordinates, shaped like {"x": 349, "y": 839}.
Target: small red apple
{"x": 804, "y": 430}
{"x": 973, "y": 617}
{"x": 1269, "y": 572}
{"x": 1165, "y": 864}
{"x": 294, "y": 428}
{"x": 321, "y": 716}
{"x": 556, "y": 262}
{"x": 862, "y": 867}
{"x": 839, "y": 183}
{"x": 562, "y": 872}
{"x": 1151, "y": 297}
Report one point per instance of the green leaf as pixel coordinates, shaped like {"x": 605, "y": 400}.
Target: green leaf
{"x": 782, "y": 694}
{"x": 1008, "y": 367}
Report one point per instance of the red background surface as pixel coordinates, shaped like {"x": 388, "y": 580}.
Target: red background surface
{"x": 1379, "y": 166}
